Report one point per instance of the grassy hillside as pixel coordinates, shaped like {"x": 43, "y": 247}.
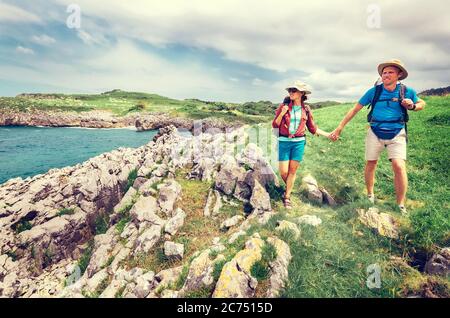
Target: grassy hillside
{"x": 121, "y": 103}
{"x": 331, "y": 260}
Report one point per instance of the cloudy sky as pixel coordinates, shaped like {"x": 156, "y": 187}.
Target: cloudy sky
{"x": 225, "y": 50}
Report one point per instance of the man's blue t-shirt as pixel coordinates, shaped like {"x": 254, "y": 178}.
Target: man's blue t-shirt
{"x": 388, "y": 110}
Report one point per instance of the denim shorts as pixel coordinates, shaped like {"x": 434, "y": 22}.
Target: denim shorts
{"x": 291, "y": 150}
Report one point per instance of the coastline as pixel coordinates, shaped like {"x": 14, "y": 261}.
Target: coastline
{"x": 106, "y": 120}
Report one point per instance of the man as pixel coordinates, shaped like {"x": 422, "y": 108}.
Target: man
{"x": 387, "y": 118}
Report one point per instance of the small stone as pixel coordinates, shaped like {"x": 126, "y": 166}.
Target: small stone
{"x": 288, "y": 226}
{"x": 309, "y": 219}
{"x": 173, "y": 250}
{"x": 231, "y": 222}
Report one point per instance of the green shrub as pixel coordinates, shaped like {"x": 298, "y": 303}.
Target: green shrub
{"x": 130, "y": 180}
{"x": 101, "y": 224}
{"x": 218, "y": 266}
{"x": 85, "y": 258}
{"x": 275, "y": 192}
{"x": 120, "y": 226}
{"x": 23, "y": 225}
{"x": 66, "y": 211}
{"x": 260, "y": 270}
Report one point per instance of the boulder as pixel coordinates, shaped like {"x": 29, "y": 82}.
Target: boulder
{"x": 235, "y": 280}
{"x": 144, "y": 285}
{"x": 439, "y": 263}
{"x": 145, "y": 210}
{"x": 173, "y": 250}
{"x": 312, "y": 220}
{"x": 312, "y": 188}
{"x": 289, "y": 227}
{"x": 384, "y": 223}
{"x": 168, "y": 195}
{"x": 260, "y": 199}
{"x": 278, "y": 267}
{"x": 147, "y": 239}
{"x": 200, "y": 273}
{"x": 231, "y": 222}
{"x": 176, "y": 222}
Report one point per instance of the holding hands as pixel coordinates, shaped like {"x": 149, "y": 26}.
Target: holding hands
{"x": 334, "y": 135}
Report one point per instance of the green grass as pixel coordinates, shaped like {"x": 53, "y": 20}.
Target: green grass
{"x": 130, "y": 180}
{"x": 85, "y": 258}
{"x": 331, "y": 260}
{"x": 101, "y": 224}
{"x": 66, "y": 211}
{"x": 23, "y": 225}
{"x": 124, "y": 214}
{"x": 339, "y": 167}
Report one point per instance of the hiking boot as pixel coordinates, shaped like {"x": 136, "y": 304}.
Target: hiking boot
{"x": 371, "y": 198}
{"x": 403, "y": 209}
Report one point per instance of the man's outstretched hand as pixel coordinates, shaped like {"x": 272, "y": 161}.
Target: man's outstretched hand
{"x": 334, "y": 135}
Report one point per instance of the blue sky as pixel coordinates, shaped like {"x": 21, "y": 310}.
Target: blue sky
{"x": 232, "y": 51}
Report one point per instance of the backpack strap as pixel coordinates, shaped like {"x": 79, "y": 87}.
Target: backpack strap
{"x": 376, "y": 97}
{"x": 404, "y": 111}
{"x": 402, "y": 97}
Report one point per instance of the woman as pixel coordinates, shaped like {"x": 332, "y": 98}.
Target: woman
{"x": 291, "y": 119}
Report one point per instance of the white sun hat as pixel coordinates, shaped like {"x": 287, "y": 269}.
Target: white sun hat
{"x": 302, "y": 87}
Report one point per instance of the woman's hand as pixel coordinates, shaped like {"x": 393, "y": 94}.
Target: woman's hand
{"x": 284, "y": 110}
{"x": 320, "y": 132}
{"x": 334, "y": 135}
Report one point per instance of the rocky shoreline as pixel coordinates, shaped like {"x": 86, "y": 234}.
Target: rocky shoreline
{"x": 49, "y": 223}
{"x": 104, "y": 119}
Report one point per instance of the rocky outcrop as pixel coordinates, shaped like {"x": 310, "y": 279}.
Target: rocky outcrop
{"x": 278, "y": 267}
{"x": 90, "y": 119}
{"x": 105, "y": 119}
{"x": 439, "y": 263}
{"x": 52, "y": 226}
{"x": 47, "y": 218}
{"x": 236, "y": 281}
{"x": 383, "y": 223}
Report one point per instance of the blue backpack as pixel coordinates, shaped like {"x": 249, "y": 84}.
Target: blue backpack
{"x": 375, "y": 124}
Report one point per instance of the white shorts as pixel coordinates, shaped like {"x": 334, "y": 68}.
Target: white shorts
{"x": 396, "y": 147}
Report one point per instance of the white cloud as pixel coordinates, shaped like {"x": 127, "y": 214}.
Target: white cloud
{"x": 290, "y": 35}
{"x": 43, "y": 39}
{"x": 258, "y": 82}
{"x": 10, "y": 13}
{"x": 328, "y": 44}
{"x": 90, "y": 39}
{"x": 24, "y": 50}
{"x": 127, "y": 67}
